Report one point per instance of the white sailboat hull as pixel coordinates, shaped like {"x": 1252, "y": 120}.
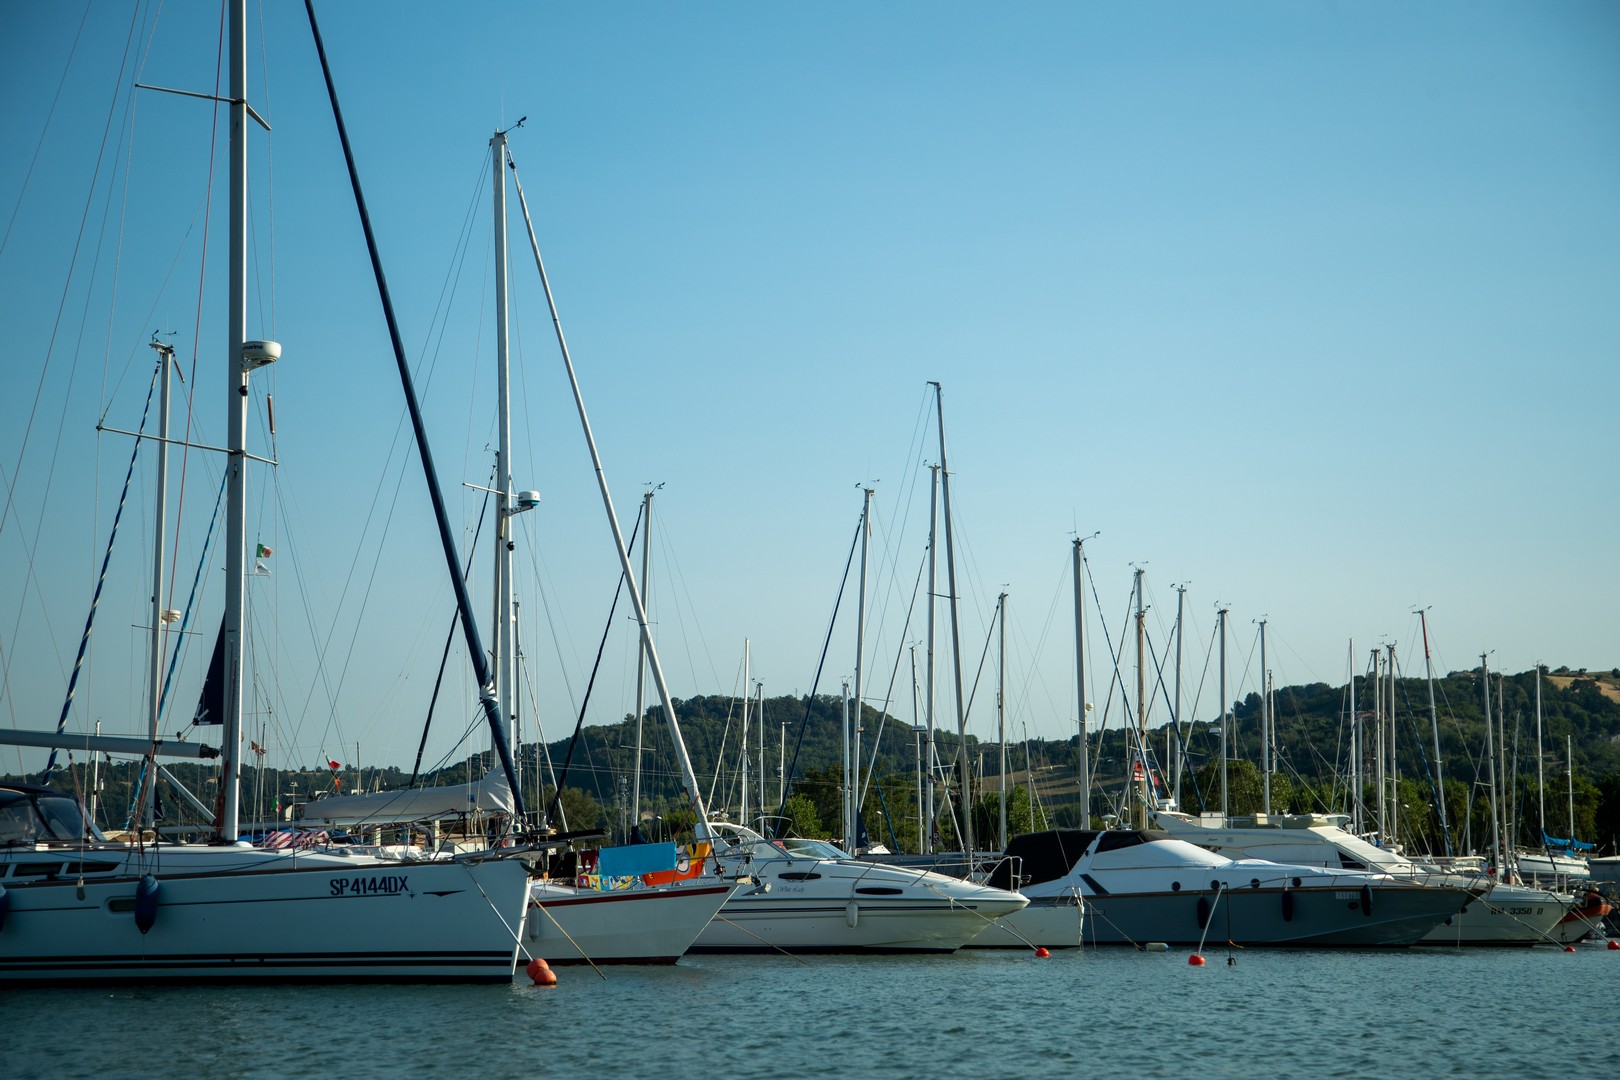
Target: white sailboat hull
{"x": 566, "y": 925}
{"x": 234, "y": 914}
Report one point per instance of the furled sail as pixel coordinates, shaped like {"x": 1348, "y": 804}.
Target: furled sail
{"x": 489, "y": 795}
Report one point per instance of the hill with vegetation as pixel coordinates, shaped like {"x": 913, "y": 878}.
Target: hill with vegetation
{"x": 1580, "y": 748}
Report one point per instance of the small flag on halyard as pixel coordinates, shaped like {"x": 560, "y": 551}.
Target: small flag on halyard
{"x": 264, "y": 551}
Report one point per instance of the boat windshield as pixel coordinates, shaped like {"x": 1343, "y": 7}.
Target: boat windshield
{"x": 799, "y": 848}
{"x": 33, "y": 817}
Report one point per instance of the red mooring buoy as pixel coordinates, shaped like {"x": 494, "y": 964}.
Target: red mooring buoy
{"x": 1042, "y": 951}
{"x": 1195, "y": 960}
{"x": 1615, "y": 945}
{"x": 541, "y": 973}
{"x": 1569, "y": 948}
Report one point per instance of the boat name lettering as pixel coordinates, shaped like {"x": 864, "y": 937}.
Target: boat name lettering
{"x": 368, "y": 886}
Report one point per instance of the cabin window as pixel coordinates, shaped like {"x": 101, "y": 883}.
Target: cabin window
{"x": 879, "y": 890}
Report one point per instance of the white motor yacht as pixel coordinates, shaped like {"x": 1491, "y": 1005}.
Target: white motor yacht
{"x": 801, "y": 895}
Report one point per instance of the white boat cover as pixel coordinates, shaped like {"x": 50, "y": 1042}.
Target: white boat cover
{"x": 491, "y": 794}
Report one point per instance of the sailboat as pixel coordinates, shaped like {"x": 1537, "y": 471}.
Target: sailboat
{"x": 621, "y": 918}
{"x": 76, "y": 907}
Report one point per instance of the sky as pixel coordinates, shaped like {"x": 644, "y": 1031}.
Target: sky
{"x": 1308, "y": 308}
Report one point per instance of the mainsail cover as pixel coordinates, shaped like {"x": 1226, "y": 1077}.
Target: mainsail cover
{"x": 490, "y": 795}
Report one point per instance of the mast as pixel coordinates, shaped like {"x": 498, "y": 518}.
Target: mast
{"x": 956, "y": 636}
{"x": 759, "y": 712}
{"x": 1080, "y": 674}
{"x": 228, "y": 824}
{"x": 1001, "y": 716}
{"x": 641, "y": 654}
{"x": 1541, "y": 778}
{"x": 1507, "y": 780}
{"x": 1226, "y": 806}
{"x": 1490, "y": 760}
{"x": 505, "y": 665}
{"x": 1355, "y": 747}
{"x": 742, "y": 810}
{"x": 1265, "y": 725}
{"x": 928, "y": 685}
{"x": 1434, "y": 726}
{"x": 1141, "y": 707}
{"x": 1394, "y": 772}
{"x": 1569, "y": 770}
{"x": 846, "y": 797}
{"x": 1181, "y": 604}
{"x": 160, "y": 519}
{"x": 853, "y": 777}
{"x": 917, "y": 740}
{"x": 1378, "y": 741}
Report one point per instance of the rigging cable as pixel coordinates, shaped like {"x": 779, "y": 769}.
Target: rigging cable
{"x": 101, "y": 580}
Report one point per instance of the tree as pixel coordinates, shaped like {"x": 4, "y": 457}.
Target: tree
{"x": 802, "y": 819}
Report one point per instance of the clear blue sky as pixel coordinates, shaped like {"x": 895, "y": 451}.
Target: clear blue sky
{"x": 1312, "y": 306}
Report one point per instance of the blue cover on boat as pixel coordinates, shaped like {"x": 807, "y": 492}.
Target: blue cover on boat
{"x": 635, "y": 860}
{"x": 1567, "y": 845}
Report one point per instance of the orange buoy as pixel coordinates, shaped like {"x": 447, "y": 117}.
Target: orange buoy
{"x": 1042, "y": 951}
{"x": 1195, "y": 960}
{"x": 541, "y": 973}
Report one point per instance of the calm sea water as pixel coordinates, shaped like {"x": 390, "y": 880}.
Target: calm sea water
{"x": 1419, "y": 1013}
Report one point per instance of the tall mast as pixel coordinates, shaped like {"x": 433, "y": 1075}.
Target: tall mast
{"x": 917, "y": 740}
{"x": 1265, "y": 725}
{"x": 853, "y": 777}
{"x": 1394, "y": 772}
{"x": 1434, "y": 726}
{"x": 641, "y": 652}
{"x": 742, "y": 810}
{"x": 846, "y": 797}
{"x": 1490, "y": 760}
{"x": 1569, "y": 770}
{"x": 1541, "y": 778}
{"x": 759, "y": 713}
{"x": 1378, "y": 741}
{"x": 928, "y": 683}
{"x": 505, "y": 662}
{"x": 1141, "y": 706}
{"x": 160, "y": 517}
{"x": 1355, "y": 746}
{"x": 956, "y": 636}
{"x": 1226, "y": 806}
{"x": 1080, "y": 675}
{"x": 228, "y": 827}
{"x": 1181, "y": 605}
{"x": 1001, "y": 716}
{"x": 1507, "y": 781}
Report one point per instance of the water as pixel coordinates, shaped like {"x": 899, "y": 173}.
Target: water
{"x": 1112, "y": 1012}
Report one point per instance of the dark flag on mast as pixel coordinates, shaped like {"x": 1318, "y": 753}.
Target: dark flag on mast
{"x": 211, "y": 706}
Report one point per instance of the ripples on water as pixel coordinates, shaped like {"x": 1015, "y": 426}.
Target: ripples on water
{"x": 1113, "y": 1012}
